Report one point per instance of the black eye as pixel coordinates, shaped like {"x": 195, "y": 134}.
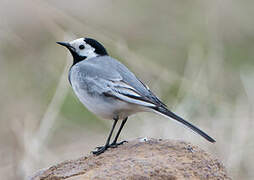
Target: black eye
{"x": 81, "y": 46}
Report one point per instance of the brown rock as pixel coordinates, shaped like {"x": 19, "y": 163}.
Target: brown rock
{"x": 152, "y": 159}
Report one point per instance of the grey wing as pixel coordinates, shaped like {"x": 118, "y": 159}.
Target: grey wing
{"x": 92, "y": 78}
{"x": 125, "y": 92}
{"x": 130, "y": 79}
{"x": 114, "y": 79}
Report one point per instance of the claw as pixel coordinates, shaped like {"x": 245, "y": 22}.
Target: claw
{"x": 114, "y": 145}
{"x": 99, "y": 147}
{"x": 100, "y": 150}
{"x": 122, "y": 142}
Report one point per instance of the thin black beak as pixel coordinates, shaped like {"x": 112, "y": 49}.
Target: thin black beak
{"x": 64, "y": 44}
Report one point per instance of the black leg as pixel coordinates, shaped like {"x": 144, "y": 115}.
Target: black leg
{"x": 104, "y": 148}
{"x": 114, "y": 143}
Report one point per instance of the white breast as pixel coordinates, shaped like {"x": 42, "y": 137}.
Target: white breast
{"x": 106, "y": 107}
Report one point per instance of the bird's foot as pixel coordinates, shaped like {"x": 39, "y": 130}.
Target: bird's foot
{"x": 115, "y": 144}
{"x": 112, "y": 145}
{"x": 100, "y": 150}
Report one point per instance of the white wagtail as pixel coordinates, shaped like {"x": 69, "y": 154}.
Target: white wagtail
{"x": 110, "y": 90}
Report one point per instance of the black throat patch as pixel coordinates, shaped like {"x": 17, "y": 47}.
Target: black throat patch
{"x": 77, "y": 58}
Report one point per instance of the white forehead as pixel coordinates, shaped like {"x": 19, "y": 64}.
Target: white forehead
{"x": 77, "y": 42}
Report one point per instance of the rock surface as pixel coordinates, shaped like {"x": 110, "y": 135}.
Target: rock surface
{"x": 140, "y": 159}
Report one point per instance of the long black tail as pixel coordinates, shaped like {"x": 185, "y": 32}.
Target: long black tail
{"x": 168, "y": 113}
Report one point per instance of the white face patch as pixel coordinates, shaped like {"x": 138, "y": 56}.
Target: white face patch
{"x": 86, "y": 50}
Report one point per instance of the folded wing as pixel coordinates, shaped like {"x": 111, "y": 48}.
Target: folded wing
{"x": 125, "y": 92}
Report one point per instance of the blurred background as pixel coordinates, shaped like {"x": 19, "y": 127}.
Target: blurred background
{"x": 197, "y": 56}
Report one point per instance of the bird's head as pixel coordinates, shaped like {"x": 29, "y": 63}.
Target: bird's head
{"x": 84, "y": 48}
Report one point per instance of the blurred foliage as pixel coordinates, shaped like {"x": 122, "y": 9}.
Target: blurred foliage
{"x": 197, "y": 56}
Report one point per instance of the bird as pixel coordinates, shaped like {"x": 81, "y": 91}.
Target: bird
{"x": 110, "y": 90}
